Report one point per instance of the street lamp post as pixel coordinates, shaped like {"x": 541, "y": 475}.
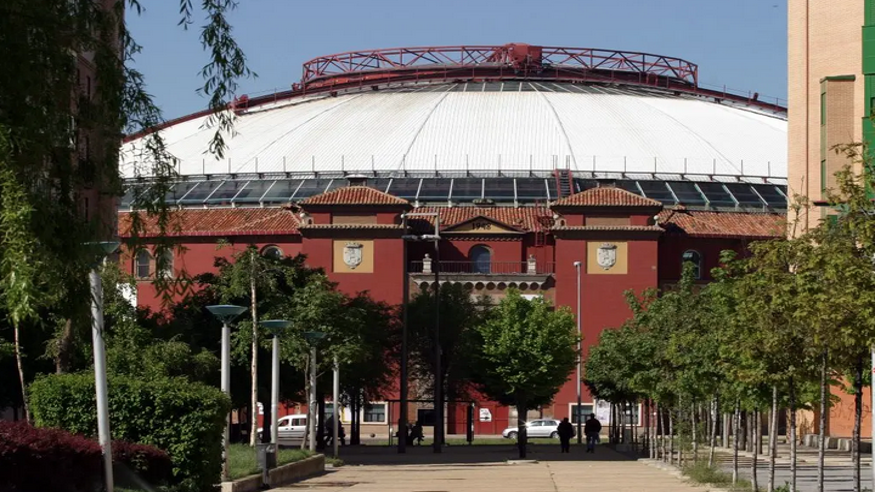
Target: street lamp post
{"x": 276, "y": 327}
{"x": 312, "y": 338}
{"x": 335, "y": 396}
{"x": 438, "y": 396}
{"x": 226, "y": 313}
{"x": 101, "y": 250}
{"x": 577, "y": 266}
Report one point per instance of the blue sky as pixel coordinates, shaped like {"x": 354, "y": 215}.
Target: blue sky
{"x": 739, "y": 43}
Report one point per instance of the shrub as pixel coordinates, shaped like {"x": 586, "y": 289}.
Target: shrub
{"x": 34, "y": 460}
{"x": 146, "y": 462}
{"x": 181, "y": 417}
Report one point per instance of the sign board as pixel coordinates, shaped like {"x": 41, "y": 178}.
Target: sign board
{"x": 260, "y": 409}
{"x": 603, "y": 412}
{"x": 485, "y": 415}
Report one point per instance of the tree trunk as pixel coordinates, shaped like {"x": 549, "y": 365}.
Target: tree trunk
{"x": 743, "y": 429}
{"x": 735, "y": 441}
{"x": 681, "y": 437}
{"x": 670, "y": 436}
{"x": 713, "y": 444}
{"x": 821, "y": 449}
{"x": 858, "y": 415}
{"x": 63, "y": 362}
{"x": 522, "y": 410}
{"x": 773, "y": 438}
{"x": 660, "y": 431}
{"x": 20, "y": 366}
{"x": 307, "y": 393}
{"x": 753, "y": 462}
{"x": 792, "y": 435}
{"x": 695, "y": 434}
{"x": 726, "y": 428}
{"x": 253, "y": 430}
{"x": 320, "y": 421}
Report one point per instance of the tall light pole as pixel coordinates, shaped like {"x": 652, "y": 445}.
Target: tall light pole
{"x": 438, "y": 396}
{"x": 276, "y": 327}
{"x": 226, "y": 313}
{"x": 101, "y": 250}
{"x": 577, "y": 266}
{"x": 335, "y": 397}
{"x": 312, "y": 338}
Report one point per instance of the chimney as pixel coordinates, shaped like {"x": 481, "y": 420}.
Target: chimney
{"x": 357, "y": 180}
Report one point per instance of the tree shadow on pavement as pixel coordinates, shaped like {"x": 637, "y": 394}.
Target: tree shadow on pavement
{"x": 472, "y": 455}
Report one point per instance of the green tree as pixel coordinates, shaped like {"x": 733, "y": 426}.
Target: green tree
{"x": 528, "y": 352}
{"x": 460, "y": 316}
{"x": 59, "y": 141}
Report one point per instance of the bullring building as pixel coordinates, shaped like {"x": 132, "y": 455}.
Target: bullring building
{"x": 531, "y": 157}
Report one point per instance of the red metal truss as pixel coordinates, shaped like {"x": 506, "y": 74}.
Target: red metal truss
{"x": 507, "y": 60}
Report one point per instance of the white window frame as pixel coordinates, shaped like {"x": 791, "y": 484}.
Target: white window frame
{"x": 168, "y": 271}
{"x": 269, "y": 247}
{"x": 137, "y": 263}
{"x": 582, "y": 404}
{"x": 385, "y": 413}
{"x": 699, "y": 263}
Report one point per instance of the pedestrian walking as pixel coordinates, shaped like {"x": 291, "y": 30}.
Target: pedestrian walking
{"x": 591, "y": 429}
{"x": 566, "y": 432}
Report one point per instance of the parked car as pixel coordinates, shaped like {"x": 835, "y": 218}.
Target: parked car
{"x": 290, "y": 427}
{"x": 535, "y": 428}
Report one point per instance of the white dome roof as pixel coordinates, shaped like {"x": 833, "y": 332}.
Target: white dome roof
{"x": 489, "y": 127}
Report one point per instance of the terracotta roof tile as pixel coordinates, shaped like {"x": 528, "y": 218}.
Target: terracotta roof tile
{"x": 350, "y": 226}
{"x": 606, "y": 196}
{"x": 218, "y": 222}
{"x": 534, "y": 219}
{"x": 723, "y": 224}
{"x": 635, "y": 228}
{"x": 354, "y": 195}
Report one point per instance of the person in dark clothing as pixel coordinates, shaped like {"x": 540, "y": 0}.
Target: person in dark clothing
{"x": 417, "y": 435}
{"x": 591, "y": 429}
{"x": 566, "y": 432}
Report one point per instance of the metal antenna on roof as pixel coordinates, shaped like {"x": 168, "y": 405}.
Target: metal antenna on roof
{"x": 769, "y": 168}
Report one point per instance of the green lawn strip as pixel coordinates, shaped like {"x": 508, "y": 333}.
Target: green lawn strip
{"x": 242, "y": 462}
{"x": 486, "y": 441}
{"x": 701, "y": 473}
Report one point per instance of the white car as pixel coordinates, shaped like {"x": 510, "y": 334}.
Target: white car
{"x": 535, "y": 428}
{"x": 290, "y": 427}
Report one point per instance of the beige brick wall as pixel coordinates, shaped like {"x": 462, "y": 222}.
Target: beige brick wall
{"x": 824, "y": 39}
{"x": 839, "y": 128}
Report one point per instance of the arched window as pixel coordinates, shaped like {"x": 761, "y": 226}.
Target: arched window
{"x": 693, "y": 256}
{"x": 481, "y": 259}
{"x": 143, "y": 264}
{"x": 273, "y": 252}
{"x": 165, "y": 266}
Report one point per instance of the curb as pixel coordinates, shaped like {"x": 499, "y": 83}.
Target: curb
{"x": 281, "y": 475}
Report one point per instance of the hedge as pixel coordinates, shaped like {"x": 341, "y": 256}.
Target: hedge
{"x": 185, "y": 419}
{"x": 36, "y": 460}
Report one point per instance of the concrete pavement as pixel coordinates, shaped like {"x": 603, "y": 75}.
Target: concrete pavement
{"x": 485, "y": 468}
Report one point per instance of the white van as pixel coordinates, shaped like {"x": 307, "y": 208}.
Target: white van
{"x": 290, "y": 427}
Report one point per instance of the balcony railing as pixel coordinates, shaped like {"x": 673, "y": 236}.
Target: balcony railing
{"x": 482, "y": 268}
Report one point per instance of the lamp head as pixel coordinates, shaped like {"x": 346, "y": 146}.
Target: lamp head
{"x": 577, "y": 264}
{"x": 276, "y": 326}
{"x": 99, "y": 250}
{"x": 313, "y": 337}
{"x": 226, "y": 313}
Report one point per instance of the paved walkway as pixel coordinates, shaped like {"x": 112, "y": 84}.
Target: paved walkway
{"x": 484, "y": 468}
{"x": 838, "y": 468}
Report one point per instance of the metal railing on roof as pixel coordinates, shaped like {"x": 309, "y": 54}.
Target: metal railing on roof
{"x": 235, "y": 191}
